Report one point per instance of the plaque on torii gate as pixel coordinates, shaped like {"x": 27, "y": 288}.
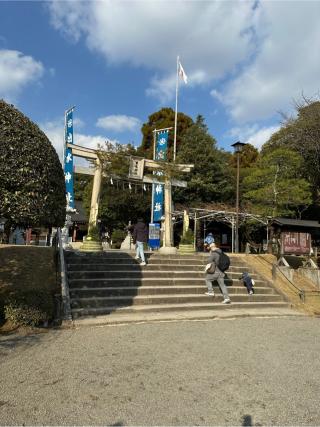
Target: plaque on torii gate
{"x": 136, "y": 172}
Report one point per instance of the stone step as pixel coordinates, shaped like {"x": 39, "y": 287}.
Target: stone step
{"x": 166, "y": 299}
{"x": 134, "y": 266}
{"x": 156, "y": 290}
{"x": 247, "y": 305}
{"x": 144, "y": 273}
{"x": 143, "y": 281}
{"x": 102, "y": 258}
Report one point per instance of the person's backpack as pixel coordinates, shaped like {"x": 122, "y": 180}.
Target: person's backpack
{"x": 224, "y": 262}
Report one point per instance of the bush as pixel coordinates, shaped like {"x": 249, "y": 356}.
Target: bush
{"x": 32, "y": 183}
{"x": 117, "y": 238}
{"x": 29, "y": 308}
{"x": 187, "y": 238}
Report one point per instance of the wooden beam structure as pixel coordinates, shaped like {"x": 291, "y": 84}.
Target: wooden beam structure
{"x": 141, "y": 163}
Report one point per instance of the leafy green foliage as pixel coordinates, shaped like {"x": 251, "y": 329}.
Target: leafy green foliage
{"x": 117, "y": 238}
{"x": 29, "y": 308}
{"x": 187, "y": 238}
{"x": 162, "y": 119}
{"x": 211, "y": 179}
{"x": 80, "y": 182}
{"x": 115, "y": 158}
{"x": 276, "y": 186}
{"x": 118, "y": 204}
{"x": 302, "y": 134}
{"x": 248, "y": 157}
{"x": 32, "y": 185}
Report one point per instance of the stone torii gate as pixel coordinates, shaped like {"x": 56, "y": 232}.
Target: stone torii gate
{"x": 137, "y": 166}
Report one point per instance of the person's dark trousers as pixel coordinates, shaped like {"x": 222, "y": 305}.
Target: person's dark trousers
{"x": 248, "y": 285}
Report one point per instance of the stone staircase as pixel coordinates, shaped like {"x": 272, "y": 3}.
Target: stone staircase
{"x": 109, "y": 282}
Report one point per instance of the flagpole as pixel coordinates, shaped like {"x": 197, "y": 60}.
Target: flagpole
{"x": 176, "y": 113}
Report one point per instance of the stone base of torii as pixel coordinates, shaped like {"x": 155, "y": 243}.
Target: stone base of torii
{"x": 140, "y": 164}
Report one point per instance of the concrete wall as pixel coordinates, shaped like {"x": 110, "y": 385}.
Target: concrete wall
{"x": 312, "y": 274}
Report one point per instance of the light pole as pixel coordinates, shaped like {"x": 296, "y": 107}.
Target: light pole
{"x": 237, "y": 149}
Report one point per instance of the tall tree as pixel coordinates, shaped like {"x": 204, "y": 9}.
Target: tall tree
{"x": 248, "y": 157}
{"x": 162, "y": 119}
{"x": 302, "y": 134}
{"x": 32, "y": 185}
{"x": 276, "y": 185}
{"x": 210, "y": 180}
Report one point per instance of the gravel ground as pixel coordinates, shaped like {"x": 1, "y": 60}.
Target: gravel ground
{"x": 221, "y": 372}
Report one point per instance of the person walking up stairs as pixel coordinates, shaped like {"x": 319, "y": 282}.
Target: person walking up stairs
{"x": 140, "y": 236}
{"x": 213, "y": 272}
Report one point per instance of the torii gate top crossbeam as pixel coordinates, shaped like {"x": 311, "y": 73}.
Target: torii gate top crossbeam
{"x": 90, "y": 153}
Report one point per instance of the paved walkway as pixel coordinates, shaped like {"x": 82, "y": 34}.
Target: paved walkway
{"x": 241, "y": 371}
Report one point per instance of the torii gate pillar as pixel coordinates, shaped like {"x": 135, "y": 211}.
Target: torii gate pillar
{"x": 168, "y": 248}
{"x": 95, "y": 197}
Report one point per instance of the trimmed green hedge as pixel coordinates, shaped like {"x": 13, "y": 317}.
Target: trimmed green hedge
{"x": 32, "y": 184}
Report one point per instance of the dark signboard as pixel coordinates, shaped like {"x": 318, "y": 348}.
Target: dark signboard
{"x": 295, "y": 243}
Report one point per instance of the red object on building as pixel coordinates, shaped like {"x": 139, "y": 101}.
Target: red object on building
{"x": 295, "y": 243}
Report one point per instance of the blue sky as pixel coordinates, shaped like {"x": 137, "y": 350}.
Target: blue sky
{"x": 116, "y": 62}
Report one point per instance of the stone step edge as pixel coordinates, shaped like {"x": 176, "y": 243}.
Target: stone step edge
{"x": 139, "y": 279}
{"x": 123, "y": 319}
{"x": 127, "y": 288}
{"x": 172, "y": 296}
{"x": 153, "y": 258}
{"x": 144, "y": 267}
{"x": 192, "y": 306}
{"x": 145, "y": 271}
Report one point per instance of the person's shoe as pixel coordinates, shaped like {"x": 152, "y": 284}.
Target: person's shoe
{"x": 226, "y": 301}
{"x": 136, "y": 257}
{"x": 143, "y": 263}
{"x": 210, "y": 293}
{"x": 251, "y": 293}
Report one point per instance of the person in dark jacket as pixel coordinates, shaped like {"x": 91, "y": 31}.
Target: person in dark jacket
{"x": 140, "y": 236}
{"x": 247, "y": 282}
{"x": 218, "y": 275}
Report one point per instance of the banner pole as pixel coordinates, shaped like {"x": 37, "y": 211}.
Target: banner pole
{"x": 154, "y": 157}
{"x": 176, "y": 113}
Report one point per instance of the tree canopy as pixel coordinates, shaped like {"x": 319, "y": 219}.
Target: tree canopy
{"x": 275, "y": 186}
{"x": 211, "y": 179}
{"x": 162, "y": 119}
{"x": 32, "y": 185}
{"x": 302, "y": 134}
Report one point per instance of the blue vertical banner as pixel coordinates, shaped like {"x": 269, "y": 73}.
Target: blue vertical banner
{"x": 68, "y": 159}
{"x": 158, "y": 189}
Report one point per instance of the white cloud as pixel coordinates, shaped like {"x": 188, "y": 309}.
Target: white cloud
{"x": 119, "y": 123}
{"x": 16, "y": 72}
{"x": 254, "y": 134}
{"x": 210, "y": 37}
{"x": 262, "y": 54}
{"x": 55, "y": 132}
{"x": 286, "y": 62}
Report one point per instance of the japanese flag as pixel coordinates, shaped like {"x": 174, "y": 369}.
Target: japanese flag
{"x": 182, "y": 74}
